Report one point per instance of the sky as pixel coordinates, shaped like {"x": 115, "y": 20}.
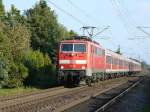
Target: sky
{"x": 123, "y": 17}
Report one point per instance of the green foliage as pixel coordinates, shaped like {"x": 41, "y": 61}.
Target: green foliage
{"x": 5, "y": 48}
{"x": 72, "y": 33}
{"x": 42, "y": 72}
{"x": 45, "y": 29}
{"x": 5, "y": 55}
{"x": 19, "y": 38}
{"x": 15, "y": 16}
{"x": 16, "y": 91}
{"x": 28, "y": 45}
{"x": 119, "y": 50}
{"x": 36, "y": 60}
{"x": 14, "y": 42}
{"x": 17, "y": 33}
{"x": 1, "y": 8}
{"x": 3, "y": 72}
{"x": 146, "y": 109}
{"x": 18, "y": 72}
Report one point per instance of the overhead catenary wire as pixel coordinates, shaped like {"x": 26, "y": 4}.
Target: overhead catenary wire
{"x": 128, "y": 23}
{"x": 87, "y": 15}
{"x": 104, "y": 29}
{"x": 117, "y": 9}
{"x": 67, "y": 13}
{"x": 112, "y": 41}
{"x": 142, "y": 30}
{"x": 126, "y": 12}
{"x": 131, "y": 20}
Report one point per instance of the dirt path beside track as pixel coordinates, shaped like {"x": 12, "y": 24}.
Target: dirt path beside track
{"x": 137, "y": 100}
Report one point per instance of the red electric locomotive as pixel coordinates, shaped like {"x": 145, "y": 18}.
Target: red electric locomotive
{"x": 83, "y": 59}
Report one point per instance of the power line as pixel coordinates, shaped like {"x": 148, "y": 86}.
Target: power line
{"x": 104, "y": 29}
{"x": 116, "y": 8}
{"x": 67, "y": 13}
{"x": 127, "y": 13}
{"x": 112, "y": 41}
{"x": 129, "y": 19}
{"x": 133, "y": 23}
{"x": 142, "y": 30}
{"x": 81, "y": 10}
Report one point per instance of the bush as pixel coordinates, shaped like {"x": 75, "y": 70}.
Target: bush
{"x": 3, "y": 71}
{"x": 41, "y": 70}
{"x": 17, "y": 74}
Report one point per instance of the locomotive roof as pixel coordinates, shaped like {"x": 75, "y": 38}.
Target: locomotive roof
{"x": 81, "y": 39}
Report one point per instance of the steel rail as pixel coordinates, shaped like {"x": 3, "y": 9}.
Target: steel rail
{"x": 10, "y": 105}
{"x": 114, "y": 99}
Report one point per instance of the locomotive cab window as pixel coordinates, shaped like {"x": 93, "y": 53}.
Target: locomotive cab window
{"x": 67, "y": 47}
{"x": 79, "y": 47}
{"x": 73, "y": 47}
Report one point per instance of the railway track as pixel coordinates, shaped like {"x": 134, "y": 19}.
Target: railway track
{"x": 14, "y": 104}
{"x": 101, "y": 101}
{"x": 57, "y": 99}
{"x": 6, "y": 98}
{"x": 116, "y": 97}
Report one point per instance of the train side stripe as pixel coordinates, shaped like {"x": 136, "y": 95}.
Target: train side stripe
{"x": 64, "y": 61}
{"x": 81, "y": 62}
{"x": 72, "y": 61}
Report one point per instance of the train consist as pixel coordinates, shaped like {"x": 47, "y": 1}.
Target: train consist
{"x": 83, "y": 59}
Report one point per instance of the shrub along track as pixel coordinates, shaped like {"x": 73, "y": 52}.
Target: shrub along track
{"x": 57, "y": 99}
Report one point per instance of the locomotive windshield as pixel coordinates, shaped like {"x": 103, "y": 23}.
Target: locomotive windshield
{"x": 79, "y": 48}
{"x": 73, "y": 47}
{"x": 67, "y": 47}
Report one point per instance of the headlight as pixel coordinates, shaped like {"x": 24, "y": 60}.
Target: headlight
{"x": 83, "y": 67}
{"x": 62, "y": 67}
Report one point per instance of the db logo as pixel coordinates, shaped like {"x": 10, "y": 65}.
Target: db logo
{"x": 72, "y": 61}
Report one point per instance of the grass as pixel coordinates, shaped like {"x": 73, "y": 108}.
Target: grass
{"x": 15, "y": 91}
{"x": 146, "y": 109}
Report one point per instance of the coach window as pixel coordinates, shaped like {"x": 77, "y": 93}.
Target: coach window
{"x": 113, "y": 61}
{"x": 98, "y": 51}
{"x": 67, "y": 47}
{"x": 79, "y": 47}
{"x": 116, "y": 62}
{"x": 103, "y": 52}
{"x": 108, "y": 59}
{"x": 121, "y": 63}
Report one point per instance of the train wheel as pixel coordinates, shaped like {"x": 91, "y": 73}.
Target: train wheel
{"x": 77, "y": 81}
{"x": 88, "y": 82}
{"x": 97, "y": 80}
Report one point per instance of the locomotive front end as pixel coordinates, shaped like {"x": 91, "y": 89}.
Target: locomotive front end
{"x": 72, "y": 61}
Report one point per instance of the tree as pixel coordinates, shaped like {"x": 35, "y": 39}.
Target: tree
{"x": 5, "y": 56}
{"x": 14, "y": 42}
{"x": 18, "y": 33}
{"x": 46, "y": 31}
{"x": 2, "y": 11}
{"x": 40, "y": 69}
{"x": 20, "y": 40}
{"x": 14, "y": 16}
{"x": 118, "y": 50}
{"x": 72, "y": 33}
